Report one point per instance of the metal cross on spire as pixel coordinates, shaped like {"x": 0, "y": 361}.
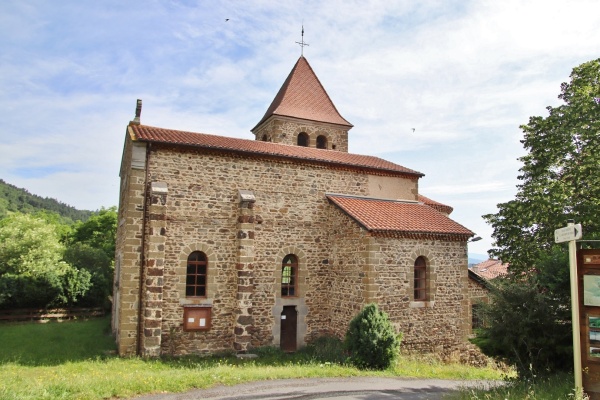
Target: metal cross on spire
{"x": 302, "y": 43}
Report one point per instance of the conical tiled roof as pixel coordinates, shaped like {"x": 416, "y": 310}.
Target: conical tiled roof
{"x": 302, "y": 96}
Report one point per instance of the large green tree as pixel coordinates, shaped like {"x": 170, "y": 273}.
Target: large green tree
{"x": 32, "y": 270}
{"x": 99, "y": 231}
{"x": 92, "y": 248}
{"x": 528, "y": 319}
{"x": 560, "y": 176}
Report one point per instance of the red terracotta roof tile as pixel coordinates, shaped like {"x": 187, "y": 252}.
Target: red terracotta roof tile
{"x": 259, "y": 148}
{"x": 490, "y": 269}
{"x": 443, "y": 208}
{"x": 397, "y": 216}
{"x": 303, "y": 96}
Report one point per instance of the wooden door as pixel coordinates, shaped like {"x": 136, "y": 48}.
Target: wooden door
{"x": 289, "y": 318}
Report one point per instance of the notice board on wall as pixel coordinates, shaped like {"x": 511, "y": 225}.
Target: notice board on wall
{"x": 197, "y": 318}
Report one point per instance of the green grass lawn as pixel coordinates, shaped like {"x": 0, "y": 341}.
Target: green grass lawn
{"x": 55, "y": 343}
{"x": 73, "y": 360}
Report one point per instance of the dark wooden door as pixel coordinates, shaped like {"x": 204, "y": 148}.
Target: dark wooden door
{"x": 289, "y": 317}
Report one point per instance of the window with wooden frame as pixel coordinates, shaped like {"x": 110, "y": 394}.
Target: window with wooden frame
{"x": 195, "y": 282}
{"x": 420, "y": 292}
{"x": 303, "y": 139}
{"x": 289, "y": 276}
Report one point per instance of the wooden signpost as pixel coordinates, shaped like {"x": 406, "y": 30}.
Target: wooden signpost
{"x": 570, "y": 233}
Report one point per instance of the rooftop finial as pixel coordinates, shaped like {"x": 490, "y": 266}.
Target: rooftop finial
{"x": 302, "y": 43}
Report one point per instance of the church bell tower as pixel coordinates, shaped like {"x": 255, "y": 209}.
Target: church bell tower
{"x": 302, "y": 114}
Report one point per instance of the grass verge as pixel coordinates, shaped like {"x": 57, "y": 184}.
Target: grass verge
{"x": 556, "y": 387}
{"x": 71, "y": 360}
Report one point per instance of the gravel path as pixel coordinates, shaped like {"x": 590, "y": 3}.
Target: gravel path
{"x": 357, "y": 388}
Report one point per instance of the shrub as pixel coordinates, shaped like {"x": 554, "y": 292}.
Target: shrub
{"x": 371, "y": 340}
{"x": 528, "y": 321}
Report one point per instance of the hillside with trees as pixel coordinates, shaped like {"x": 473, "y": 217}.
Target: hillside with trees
{"x": 53, "y": 255}
{"x": 14, "y": 199}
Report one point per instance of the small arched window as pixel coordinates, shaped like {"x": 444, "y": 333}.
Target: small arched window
{"x": 420, "y": 279}
{"x": 289, "y": 276}
{"x": 265, "y": 138}
{"x": 303, "y": 139}
{"x": 321, "y": 142}
{"x": 195, "y": 282}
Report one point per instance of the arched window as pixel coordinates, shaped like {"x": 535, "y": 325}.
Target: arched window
{"x": 420, "y": 279}
{"x": 303, "y": 139}
{"x": 195, "y": 283}
{"x": 265, "y": 138}
{"x": 321, "y": 142}
{"x": 289, "y": 276}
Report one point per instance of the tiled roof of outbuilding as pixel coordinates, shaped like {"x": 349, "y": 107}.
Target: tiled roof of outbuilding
{"x": 398, "y": 216}
{"x": 490, "y": 269}
{"x": 437, "y": 205}
{"x": 259, "y": 148}
{"x": 303, "y": 96}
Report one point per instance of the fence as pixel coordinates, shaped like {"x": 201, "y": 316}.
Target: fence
{"x": 43, "y": 315}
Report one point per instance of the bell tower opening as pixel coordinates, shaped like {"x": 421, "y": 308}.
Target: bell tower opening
{"x": 303, "y": 139}
{"x": 321, "y": 142}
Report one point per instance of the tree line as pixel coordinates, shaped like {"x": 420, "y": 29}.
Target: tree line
{"x": 48, "y": 259}
{"x": 14, "y": 199}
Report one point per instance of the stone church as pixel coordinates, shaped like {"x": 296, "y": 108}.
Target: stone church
{"x": 228, "y": 244}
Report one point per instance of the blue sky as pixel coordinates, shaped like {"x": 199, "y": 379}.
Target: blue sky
{"x": 463, "y": 74}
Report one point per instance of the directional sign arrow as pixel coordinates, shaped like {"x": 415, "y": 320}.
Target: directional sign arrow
{"x": 568, "y": 233}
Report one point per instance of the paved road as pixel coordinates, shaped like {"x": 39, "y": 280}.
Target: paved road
{"x": 360, "y": 388}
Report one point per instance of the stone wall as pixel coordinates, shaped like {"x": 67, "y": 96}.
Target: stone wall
{"x": 439, "y": 322}
{"x": 376, "y": 269}
{"x": 126, "y": 290}
{"x": 346, "y": 278}
{"x": 290, "y": 212}
{"x": 341, "y": 266}
{"x": 478, "y": 293}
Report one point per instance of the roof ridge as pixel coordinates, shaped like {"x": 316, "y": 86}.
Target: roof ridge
{"x": 210, "y": 141}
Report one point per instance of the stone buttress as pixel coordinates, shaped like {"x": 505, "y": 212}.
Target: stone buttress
{"x": 153, "y": 279}
{"x": 244, "y": 321}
